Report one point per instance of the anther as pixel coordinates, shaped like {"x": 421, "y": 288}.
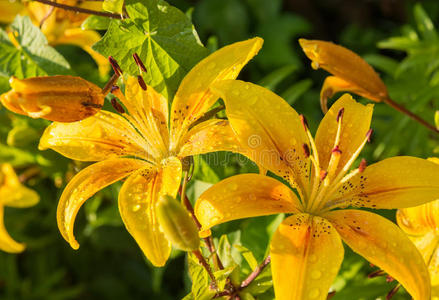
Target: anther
{"x": 117, "y": 106}
{"x": 369, "y": 135}
{"x": 330, "y": 295}
{"x": 323, "y": 174}
{"x": 392, "y": 292}
{"x": 115, "y": 66}
{"x": 362, "y": 166}
{"x": 336, "y": 150}
{"x": 141, "y": 82}
{"x": 304, "y": 122}
{"x": 113, "y": 88}
{"x": 139, "y": 62}
{"x": 389, "y": 278}
{"x": 306, "y": 150}
{"x": 340, "y": 114}
{"x": 376, "y": 274}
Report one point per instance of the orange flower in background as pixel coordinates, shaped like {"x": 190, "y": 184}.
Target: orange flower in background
{"x": 306, "y": 250}
{"x": 351, "y": 72}
{"x": 146, "y": 143}
{"x": 58, "y": 25}
{"x": 12, "y": 194}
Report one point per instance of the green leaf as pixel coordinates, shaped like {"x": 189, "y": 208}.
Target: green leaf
{"x": 277, "y": 76}
{"x": 295, "y": 91}
{"x": 248, "y": 256}
{"x": 161, "y": 35}
{"x": 200, "y": 279}
{"x": 29, "y": 55}
{"x": 114, "y": 6}
{"x": 424, "y": 23}
{"x": 96, "y": 23}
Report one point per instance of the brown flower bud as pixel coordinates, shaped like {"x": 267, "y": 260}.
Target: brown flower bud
{"x": 55, "y": 98}
{"x": 177, "y": 225}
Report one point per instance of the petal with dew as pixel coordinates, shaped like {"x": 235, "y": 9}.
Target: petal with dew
{"x": 347, "y": 65}
{"x": 209, "y": 136}
{"x": 100, "y": 137}
{"x": 137, "y": 201}
{"x": 306, "y": 254}
{"x": 244, "y": 196}
{"x": 85, "y": 184}
{"x": 384, "y": 244}
{"x": 12, "y": 192}
{"x": 354, "y": 127}
{"x": 395, "y": 182}
{"x": 85, "y": 39}
{"x": 193, "y": 97}
{"x": 258, "y": 117}
{"x": 7, "y": 243}
{"x": 420, "y": 219}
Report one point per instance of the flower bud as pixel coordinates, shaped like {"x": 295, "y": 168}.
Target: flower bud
{"x": 55, "y": 98}
{"x": 177, "y": 225}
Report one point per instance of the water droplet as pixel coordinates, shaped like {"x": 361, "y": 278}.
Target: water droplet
{"x": 136, "y": 207}
{"x": 312, "y": 258}
{"x": 316, "y": 274}
{"x": 314, "y": 293}
{"x": 233, "y": 186}
{"x": 235, "y": 92}
{"x": 315, "y": 65}
{"x": 252, "y": 101}
{"x": 211, "y": 65}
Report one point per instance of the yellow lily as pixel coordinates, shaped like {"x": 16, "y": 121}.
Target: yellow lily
{"x": 60, "y": 26}
{"x": 306, "y": 250}
{"x": 351, "y": 72}
{"x": 13, "y": 194}
{"x": 140, "y": 144}
{"x": 421, "y": 223}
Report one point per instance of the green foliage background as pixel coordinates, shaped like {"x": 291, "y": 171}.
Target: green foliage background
{"x": 401, "y": 43}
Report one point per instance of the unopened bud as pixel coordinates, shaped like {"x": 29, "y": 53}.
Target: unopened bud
{"x": 55, "y": 98}
{"x": 177, "y": 225}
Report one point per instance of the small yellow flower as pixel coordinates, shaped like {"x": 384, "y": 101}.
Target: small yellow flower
{"x": 13, "y": 194}
{"x": 145, "y": 143}
{"x": 421, "y": 223}
{"x": 306, "y": 250}
{"x": 58, "y": 25}
{"x": 55, "y": 98}
{"x": 351, "y": 72}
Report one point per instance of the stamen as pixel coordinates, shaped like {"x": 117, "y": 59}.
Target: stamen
{"x": 392, "y": 292}
{"x": 323, "y": 174}
{"x": 306, "y": 150}
{"x": 139, "y": 62}
{"x": 376, "y": 274}
{"x": 115, "y": 66}
{"x": 113, "y": 88}
{"x": 340, "y": 114}
{"x": 116, "y": 105}
{"x": 336, "y": 150}
{"x": 369, "y": 135}
{"x": 141, "y": 82}
{"x": 362, "y": 166}
{"x": 304, "y": 122}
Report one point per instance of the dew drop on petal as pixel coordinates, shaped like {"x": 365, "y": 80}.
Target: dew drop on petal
{"x": 314, "y": 293}
{"x": 312, "y": 258}
{"x": 316, "y": 274}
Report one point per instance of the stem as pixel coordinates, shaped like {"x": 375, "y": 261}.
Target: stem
{"x": 110, "y": 84}
{"x": 255, "y": 273}
{"x": 206, "y": 266}
{"x": 28, "y": 174}
{"x": 82, "y": 10}
{"x": 405, "y": 111}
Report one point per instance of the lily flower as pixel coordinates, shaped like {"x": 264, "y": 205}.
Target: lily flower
{"x": 421, "y": 224}
{"x": 139, "y": 144}
{"x": 351, "y": 72}
{"x": 60, "y": 26}
{"x": 306, "y": 250}
{"x": 13, "y": 194}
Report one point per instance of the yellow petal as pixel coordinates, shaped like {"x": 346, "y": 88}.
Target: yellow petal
{"x": 85, "y": 184}
{"x": 268, "y": 127}
{"x": 102, "y": 136}
{"x": 396, "y": 182}
{"x": 7, "y": 244}
{"x": 306, "y": 254}
{"x": 420, "y": 219}
{"x": 383, "y": 244}
{"x": 55, "y": 98}
{"x": 433, "y": 265}
{"x": 12, "y": 192}
{"x": 244, "y": 196}
{"x": 209, "y": 136}
{"x": 347, "y": 65}
{"x": 355, "y": 124}
{"x": 331, "y": 86}
{"x": 193, "y": 97}
{"x": 8, "y": 10}
{"x": 85, "y": 39}
{"x": 137, "y": 201}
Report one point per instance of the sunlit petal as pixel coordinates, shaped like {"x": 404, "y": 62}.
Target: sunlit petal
{"x": 137, "y": 200}
{"x": 331, "y": 86}
{"x": 243, "y": 196}
{"x": 209, "y": 136}
{"x": 85, "y": 184}
{"x": 12, "y": 192}
{"x": 355, "y": 124}
{"x": 306, "y": 254}
{"x": 258, "y": 117}
{"x": 384, "y": 244}
{"x": 194, "y": 98}
{"x": 6, "y": 242}
{"x": 99, "y": 137}
{"x": 396, "y": 182}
